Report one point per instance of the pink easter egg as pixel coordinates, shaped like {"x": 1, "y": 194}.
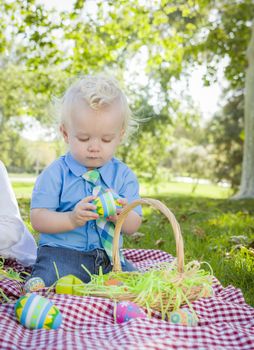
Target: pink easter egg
{"x": 126, "y": 310}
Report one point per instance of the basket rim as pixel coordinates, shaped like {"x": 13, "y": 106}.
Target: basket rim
{"x": 156, "y": 204}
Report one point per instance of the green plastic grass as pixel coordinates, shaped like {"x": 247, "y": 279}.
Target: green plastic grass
{"x": 163, "y": 288}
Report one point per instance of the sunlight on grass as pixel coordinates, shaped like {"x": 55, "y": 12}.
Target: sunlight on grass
{"x": 24, "y": 190}
{"x": 177, "y": 188}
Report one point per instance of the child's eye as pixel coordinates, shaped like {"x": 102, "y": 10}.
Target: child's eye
{"x": 107, "y": 141}
{"x": 83, "y": 140}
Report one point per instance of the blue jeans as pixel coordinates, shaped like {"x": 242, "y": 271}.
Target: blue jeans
{"x": 68, "y": 261}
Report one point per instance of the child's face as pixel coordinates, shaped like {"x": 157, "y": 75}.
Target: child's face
{"x": 93, "y": 136}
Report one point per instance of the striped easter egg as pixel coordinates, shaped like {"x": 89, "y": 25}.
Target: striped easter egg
{"x": 105, "y": 204}
{"x": 35, "y": 312}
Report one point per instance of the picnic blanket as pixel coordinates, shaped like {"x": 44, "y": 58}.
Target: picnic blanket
{"x": 225, "y": 320}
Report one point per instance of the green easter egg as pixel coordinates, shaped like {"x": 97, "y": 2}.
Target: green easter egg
{"x": 69, "y": 285}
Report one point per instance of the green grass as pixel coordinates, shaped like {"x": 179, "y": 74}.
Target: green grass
{"x": 24, "y": 190}
{"x": 177, "y": 188}
{"x": 207, "y": 226}
{"x": 208, "y": 221}
{"x": 21, "y": 175}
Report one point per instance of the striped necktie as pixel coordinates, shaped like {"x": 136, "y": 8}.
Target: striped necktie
{"x": 106, "y": 228}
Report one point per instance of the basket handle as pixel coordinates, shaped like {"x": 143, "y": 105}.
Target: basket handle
{"x": 156, "y": 204}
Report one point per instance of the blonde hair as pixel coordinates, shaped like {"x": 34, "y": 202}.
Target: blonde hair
{"x": 97, "y": 91}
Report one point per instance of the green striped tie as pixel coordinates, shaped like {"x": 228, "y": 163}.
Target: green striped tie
{"x": 107, "y": 228}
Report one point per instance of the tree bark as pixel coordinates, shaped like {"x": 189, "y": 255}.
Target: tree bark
{"x": 247, "y": 178}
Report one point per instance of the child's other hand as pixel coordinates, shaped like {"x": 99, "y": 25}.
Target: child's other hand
{"x": 113, "y": 218}
{"x": 83, "y": 212}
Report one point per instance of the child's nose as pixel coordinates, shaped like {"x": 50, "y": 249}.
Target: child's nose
{"x": 93, "y": 146}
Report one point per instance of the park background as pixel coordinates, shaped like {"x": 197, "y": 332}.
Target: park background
{"x": 188, "y": 70}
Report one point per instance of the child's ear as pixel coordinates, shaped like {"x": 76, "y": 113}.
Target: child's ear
{"x": 64, "y": 133}
{"x": 122, "y": 134}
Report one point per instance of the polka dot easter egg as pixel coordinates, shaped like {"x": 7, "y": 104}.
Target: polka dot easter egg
{"x": 183, "y": 317}
{"x": 34, "y": 284}
{"x": 35, "y": 312}
{"x": 126, "y": 310}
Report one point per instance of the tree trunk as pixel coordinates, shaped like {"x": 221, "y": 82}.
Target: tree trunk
{"x": 247, "y": 179}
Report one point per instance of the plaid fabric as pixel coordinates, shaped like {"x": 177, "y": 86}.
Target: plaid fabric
{"x": 105, "y": 228}
{"x": 225, "y": 321}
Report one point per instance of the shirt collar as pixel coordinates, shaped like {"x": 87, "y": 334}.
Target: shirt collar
{"x": 78, "y": 169}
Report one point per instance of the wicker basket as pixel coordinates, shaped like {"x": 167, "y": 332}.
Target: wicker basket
{"x": 171, "y": 218}
{"x": 163, "y": 289}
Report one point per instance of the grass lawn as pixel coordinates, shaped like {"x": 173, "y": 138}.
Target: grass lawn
{"x": 209, "y": 224}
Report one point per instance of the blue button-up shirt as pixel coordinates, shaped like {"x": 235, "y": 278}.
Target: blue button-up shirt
{"x": 61, "y": 186}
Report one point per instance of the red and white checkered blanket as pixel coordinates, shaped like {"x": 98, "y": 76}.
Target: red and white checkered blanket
{"x": 225, "y": 321}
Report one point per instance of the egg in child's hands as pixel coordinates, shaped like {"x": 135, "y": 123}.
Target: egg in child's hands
{"x": 35, "y": 312}
{"x": 107, "y": 204}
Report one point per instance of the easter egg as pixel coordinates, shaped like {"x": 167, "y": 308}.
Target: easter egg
{"x": 69, "y": 285}
{"x": 34, "y": 284}
{"x": 117, "y": 199}
{"x": 183, "y": 317}
{"x": 126, "y": 310}
{"x": 107, "y": 203}
{"x": 35, "y": 312}
{"x": 113, "y": 282}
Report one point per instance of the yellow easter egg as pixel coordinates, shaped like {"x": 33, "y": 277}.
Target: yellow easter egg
{"x": 69, "y": 285}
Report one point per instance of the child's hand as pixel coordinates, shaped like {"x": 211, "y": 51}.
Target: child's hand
{"x": 82, "y": 212}
{"x": 113, "y": 218}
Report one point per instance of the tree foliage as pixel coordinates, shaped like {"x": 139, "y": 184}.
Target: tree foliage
{"x": 225, "y": 133}
{"x": 228, "y": 32}
{"x": 41, "y": 49}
